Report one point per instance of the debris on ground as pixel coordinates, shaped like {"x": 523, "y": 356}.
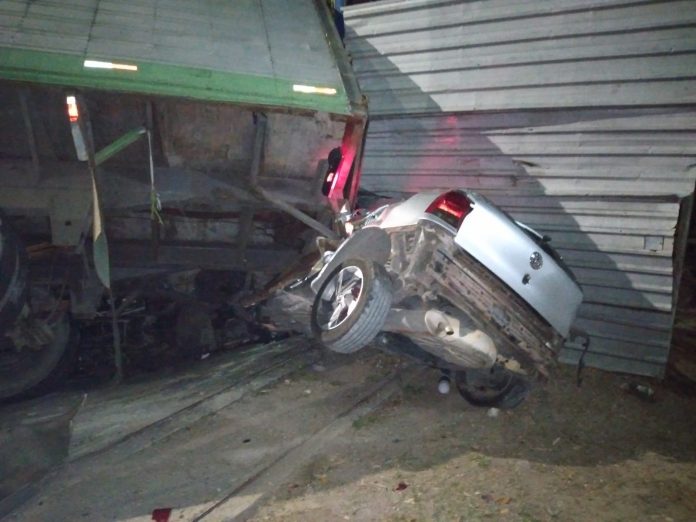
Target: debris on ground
{"x": 161, "y": 514}
{"x": 642, "y": 391}
{"x": 162, "y": 322}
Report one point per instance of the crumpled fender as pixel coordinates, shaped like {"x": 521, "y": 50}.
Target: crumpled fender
{"x": 370, "y": 243}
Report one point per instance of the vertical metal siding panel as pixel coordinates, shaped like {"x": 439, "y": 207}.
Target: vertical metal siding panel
{"x": 576, "y": 116}
{"x": 496, "y": 55}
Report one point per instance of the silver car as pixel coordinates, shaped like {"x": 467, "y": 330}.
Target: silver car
{"x": 453, "y": 280}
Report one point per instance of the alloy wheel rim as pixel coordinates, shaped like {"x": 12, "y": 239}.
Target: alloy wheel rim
{"x": 341, "y": 297}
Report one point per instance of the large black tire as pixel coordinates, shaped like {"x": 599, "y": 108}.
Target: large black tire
{"x": 13, "y": 275}
{"x": 364, "y": 318}
{"x": 494, "y": 388}
{"x": 30, "y": 373}
{"x": 27, "y": 372}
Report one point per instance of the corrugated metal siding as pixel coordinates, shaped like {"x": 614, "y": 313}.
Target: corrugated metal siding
{"x": 422, "y": 56}
{"x": 578, "y": 117}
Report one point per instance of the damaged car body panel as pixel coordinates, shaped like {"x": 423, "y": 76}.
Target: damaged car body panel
{"x": 513, "y": 252}
{"x": 456, "y": 275}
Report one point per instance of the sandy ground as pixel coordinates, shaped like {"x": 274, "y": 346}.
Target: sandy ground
{"x": 368, "y": 437}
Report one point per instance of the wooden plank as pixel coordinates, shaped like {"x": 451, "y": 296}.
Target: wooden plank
{"x": 364, "y": 37}
{"x": 270, "y": 260}
{"x": 652, "y": 319}
{"x": 608, "y": 361}
{"x": 627, "y": 298}
{"x": 629, "y": 350}
{"x": 443, "y": 12}
{"x": 242, "y": 501}
{"x": 611, "y": 279}
{"x": 542, "y": 144}
{"x": 580, "y": 72}
{"x": 528, "y": 186}
{"x": 498, "y": 97}
{"x": 597, "y": 222}
{"x": 644, "y": 119}
{"x": 647, "y": 337}
{"x": 652, "y": 42}
{"x": 107, "y": 420}
{"x": 644, "y": 262}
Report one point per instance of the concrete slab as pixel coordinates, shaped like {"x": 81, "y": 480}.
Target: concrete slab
{"x": 115, "y": 414}
{"x": 38, "y": 436}
{"x": 218, "y": 463}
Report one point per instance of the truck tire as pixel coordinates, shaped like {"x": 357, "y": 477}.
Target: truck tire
{"x": 351, "y": 306}
{"x": 30, "y": 373}
{"x": 13, "y": 275}
{"x": 26, "y": 372}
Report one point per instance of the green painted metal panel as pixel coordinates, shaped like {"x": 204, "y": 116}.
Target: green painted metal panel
{"x": 118, "y": 145}
{"x": 166, "y": 80}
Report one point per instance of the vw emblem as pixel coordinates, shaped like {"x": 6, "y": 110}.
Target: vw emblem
{"x": 535, "y": 260}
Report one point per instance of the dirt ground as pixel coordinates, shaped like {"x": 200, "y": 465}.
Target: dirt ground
{"x": 593, "y": 453}
{"x": 368, "y": 437}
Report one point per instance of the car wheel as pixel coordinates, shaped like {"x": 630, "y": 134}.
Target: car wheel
{"x": 352, "y": 305}
{"x": 497, "y": 387}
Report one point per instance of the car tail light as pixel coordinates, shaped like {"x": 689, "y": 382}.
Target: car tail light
{"x": 452, "y": 207}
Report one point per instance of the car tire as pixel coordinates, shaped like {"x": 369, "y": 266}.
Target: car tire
{"x": 494, "y": 388}
{"x": 351, "y": 306}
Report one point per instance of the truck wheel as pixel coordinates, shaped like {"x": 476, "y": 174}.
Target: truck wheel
{"x": 494, "y": 388}
{"x": 13, "y": 275}
{"x": 34, "y": 371}
{"x": 29, "y": 370}
{"x": 352, "y": 305}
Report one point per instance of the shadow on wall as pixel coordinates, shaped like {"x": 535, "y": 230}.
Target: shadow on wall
{"x": 584, "y": 177}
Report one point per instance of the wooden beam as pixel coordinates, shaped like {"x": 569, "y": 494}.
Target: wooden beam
{"x": 213, "y": 256}
{"x": 29, "y": 129}
{"x": 246, "y": 220}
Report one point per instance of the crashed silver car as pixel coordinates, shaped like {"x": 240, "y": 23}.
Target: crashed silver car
{"x": 448, "y": 278}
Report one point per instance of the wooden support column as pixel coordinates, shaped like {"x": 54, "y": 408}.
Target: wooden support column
{"x": 246, "y": 217}
{"x": 31, "y": 137}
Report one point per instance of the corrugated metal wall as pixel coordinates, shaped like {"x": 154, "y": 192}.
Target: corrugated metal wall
{"x": 576, "y": 116}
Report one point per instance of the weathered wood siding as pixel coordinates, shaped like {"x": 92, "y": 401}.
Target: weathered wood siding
{"x": 576, "y": 116}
